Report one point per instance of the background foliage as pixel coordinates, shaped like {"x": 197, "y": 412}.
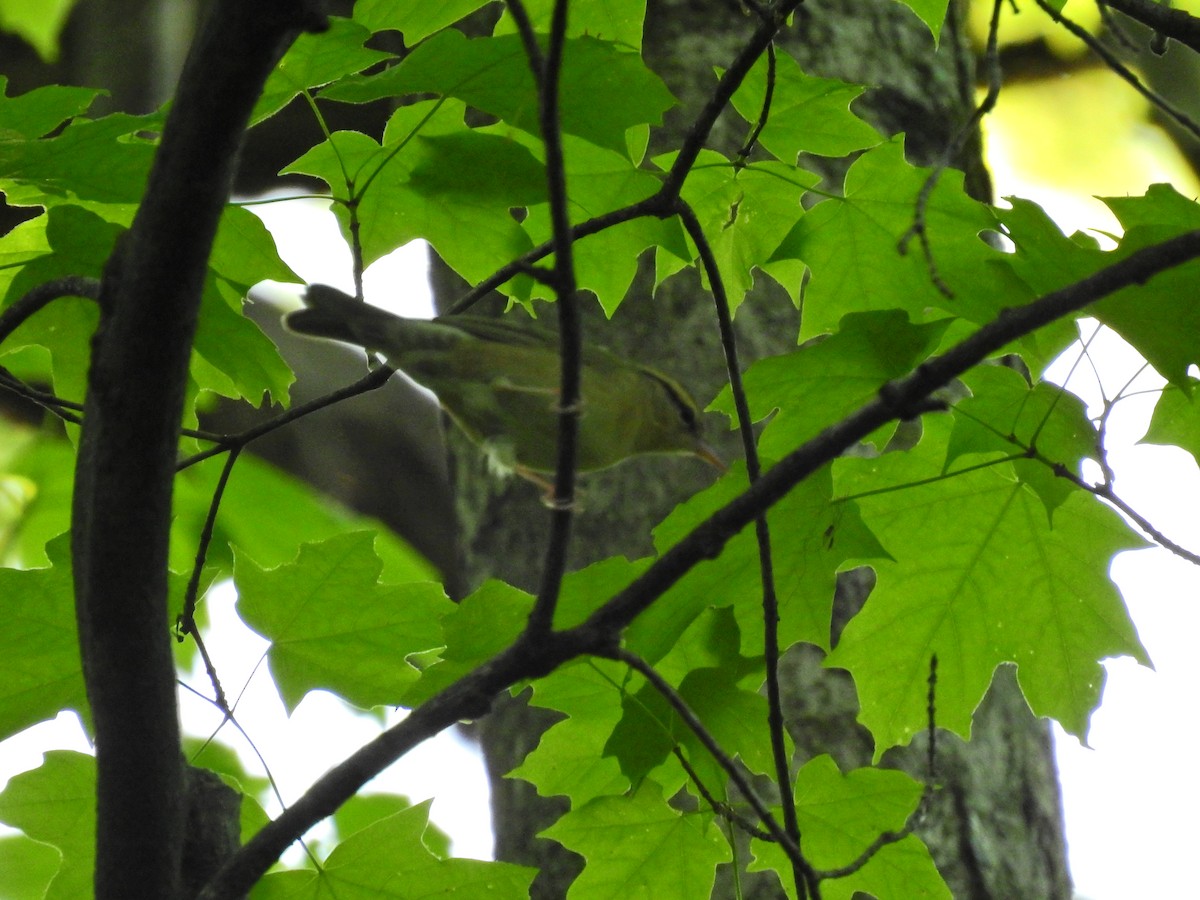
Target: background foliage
{"x": 986, "y": 524}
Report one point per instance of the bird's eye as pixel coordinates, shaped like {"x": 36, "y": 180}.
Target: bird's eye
{"x": 684, "y": 407}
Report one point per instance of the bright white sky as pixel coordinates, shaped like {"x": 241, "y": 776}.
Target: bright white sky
{"x": 1129, "y": 800}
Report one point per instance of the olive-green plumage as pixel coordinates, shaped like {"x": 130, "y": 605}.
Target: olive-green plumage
{"x": 499, "y": 382}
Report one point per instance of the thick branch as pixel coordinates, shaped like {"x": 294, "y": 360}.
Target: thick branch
{"x": 532, "y": 657}
{"x": 896, "y": 400}
{"x": 1176, "y": 24}
{"x": 468, "y": 698}
{"x": 149, "y": 300}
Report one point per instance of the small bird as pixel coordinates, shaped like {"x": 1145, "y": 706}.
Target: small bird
{"x": 499, "y": 382}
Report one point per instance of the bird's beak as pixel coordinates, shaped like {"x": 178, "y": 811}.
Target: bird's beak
{"x": 709, "y": 455}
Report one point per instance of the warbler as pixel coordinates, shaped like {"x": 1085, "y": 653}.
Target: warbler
{"x": 499, "y": 382}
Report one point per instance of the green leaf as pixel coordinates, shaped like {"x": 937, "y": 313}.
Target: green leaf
{"x": 638, "y": 847}
{"x": 36, "y": 113}
{"x": 417, "y": 19}
{"x": 40, "y": 22}
{"x": 333, "y": 626}
{"x": 817, "y": 385}
{"x": 40, "y": 670}
{"x": 478, "y": 628}
{"x": 80, "y": 242}
{"x": 1005, "y": 416}
{"x": 602, "y": 181}
{"x": 55, "y": 804}
{"x": 610, "y": 88}
{"x": 298, "y": 515}
{"x": 879, "y": 208}
{"x": 39, "y": 475}
{"x": 1156, "y": 317}
{"x": 585, "y": 590}
{"x": 644, "y": 738}
{"x": 395, "y": 203}
{"x": 742, "y": 212}
{"x": 26, "y": 867}
{"x": 363, "y": 810}
{"x": 101, "y": 161}
{"x": 931, "y": 12}
{"x": 245, "y": 364}
{"x": 734, "y": 715}
{"x": 1044, "y": 260}
{"x": 609, "y": 20}
{"x": 243, "y": 254}
{"x": 980, "y": 578}
{"x": 569, "y": 760}
{"x": 24, "y": 243}
{"x": 314, "y": 60}
{"x": 808, "y": 114}
{"x": 820, "y": 537}
{"x": 390, "y": 859}
{"x": 1176, "y": 420}
{"x": 840, "y": 817}
{"x": 463, "y": 166}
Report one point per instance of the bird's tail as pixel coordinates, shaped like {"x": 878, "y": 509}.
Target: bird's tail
{"x": 330, "y": 313}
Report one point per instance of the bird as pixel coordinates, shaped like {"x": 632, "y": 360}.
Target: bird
{"x": 499, "y": 383}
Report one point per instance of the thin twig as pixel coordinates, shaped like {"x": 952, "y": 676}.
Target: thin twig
{"x": 187, "y": 618}
{"x": 570, "y": 324}
{"x": 723, "y": 759}
{"x": 471, "y": 695}
{"x": 1176, "y": 24}
{"x": 770, "y": 600}
{"x": 36, "y": 298}
{"x": 661, "y": 204}
{"x": 533, "y": 52}
{"x": 373, "y": 380}
{"x": 720, "y": 807}
{"x": 931, "y": 753}
{"x": 765, "y": 112}
{"x": 186, "y": 623}
{"x": 952, "y": 149}
{"x": 892, "y": 837}
{"x": 63, "y": 409}
{"x": 230, "y": 718}
{"x": 1106, "y": 492}
{"x": 1128, "y": 75}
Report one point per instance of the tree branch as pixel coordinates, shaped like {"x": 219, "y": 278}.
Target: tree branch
{"x": 71, "y": 286}
{"x": 662, "y": 203}
{"x": 121, "y": 515}
{"x": 533, "y": 657}
{"x": 766, "y": 566}
{"x": 896, "y": 400}
{"x": 1177, "y": 24}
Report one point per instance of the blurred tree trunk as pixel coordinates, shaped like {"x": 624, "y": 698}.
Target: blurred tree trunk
{"x": 995, "y": 826}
